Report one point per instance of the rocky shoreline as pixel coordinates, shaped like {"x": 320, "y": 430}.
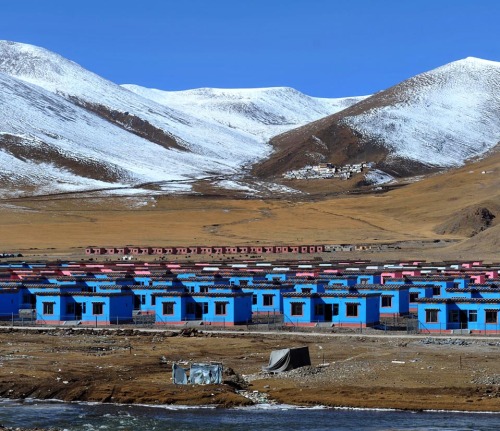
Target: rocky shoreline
{"x": 134, "y": 367}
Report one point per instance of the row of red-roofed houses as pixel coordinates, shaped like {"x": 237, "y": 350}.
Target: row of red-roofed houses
{"x": 206, "y": 250}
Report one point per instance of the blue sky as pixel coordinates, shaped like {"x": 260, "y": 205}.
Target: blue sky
{"x": 326, "y": 48}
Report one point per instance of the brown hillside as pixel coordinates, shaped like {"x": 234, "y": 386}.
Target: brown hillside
{"x": 467, "y": 222}
{"x": 43, "y": 152}
{"x": 131, "y": 123}
{"x": 65, "y": 223}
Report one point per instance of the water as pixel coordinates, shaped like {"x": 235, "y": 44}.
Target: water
{"x": 121, "y": 417}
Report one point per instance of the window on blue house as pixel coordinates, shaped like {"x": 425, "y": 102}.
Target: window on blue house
{"x": 431, "y": 316}
{"x": 220, "y": 308}
{"x": 97, "y": 308}
{"x": 143, "y": 299}
{"x": 297, "y": 308}
{"x": 168, "y": 308}
{"x": 436, "y": 290}
{"x": 414, "y": 296}
{"x": 319, "y": 309}
{"x": 205, "y": 307}
{"x": 254, "y": 299}
{"x": 335, "y": 309}
{"x": 386, "y": 301}
{"x": 48, "y": 307}
{"x": 153, "y": 300}
{"x": 364, "y": 280}
{"x": 268, "y": 300}
{"x": 472, "y": 315}
{"x": 491, "y": 316}
{"x": 351, "y": 309}
{"x": 454, "y": 316}
{"x": 203, "y": 289}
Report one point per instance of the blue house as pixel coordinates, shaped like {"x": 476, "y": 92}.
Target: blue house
{"x": 368, "y": 278}
{"x": 461, "y": 282}
{"x": 88, "y": 308}
{"x": 221, "y": 309}
{"x": 203, "y": 283}
{"x": 307, "y": 285}
{"x": 477, "y": 315}
{"x": 241, "y": 280}
{"x": 338, "y": 280}
{"x": 416, "y": 292}
{"x": 267, "y": 298}
{"x": 439, "y": 284}
{"x": 357, "y": 310}
{"x": 394, "y": 299}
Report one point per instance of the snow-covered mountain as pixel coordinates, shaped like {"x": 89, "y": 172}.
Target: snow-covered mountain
{"x": 262, "y": 112}
{"x": 65, "y": 128}
{"x": 441, "y": 117}
{"x": 100, "y": 134}
{"x": 49, "y": 144}
{"x": 434, "y": 120}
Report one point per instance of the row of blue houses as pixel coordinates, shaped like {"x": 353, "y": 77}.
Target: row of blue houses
{"x": 231, "y": 297}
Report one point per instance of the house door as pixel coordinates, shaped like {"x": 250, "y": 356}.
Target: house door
{"x": 198, "y": 311}
{"x": 78, "y": 311}
{"x": 464, "y": 322}
{"x": 328, "y": 312}
{"x": 137, "y": 302}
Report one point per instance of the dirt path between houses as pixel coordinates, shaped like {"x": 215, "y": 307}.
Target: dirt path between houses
{"x": 128, "y": 366}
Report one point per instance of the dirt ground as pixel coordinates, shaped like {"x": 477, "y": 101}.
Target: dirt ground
{"x": 127, "y": 366}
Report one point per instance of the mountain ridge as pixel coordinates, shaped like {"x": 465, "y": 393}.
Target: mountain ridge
{"x": 67, "y": 128}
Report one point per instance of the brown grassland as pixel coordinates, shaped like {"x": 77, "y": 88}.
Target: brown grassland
{"x": 61, "y": 224}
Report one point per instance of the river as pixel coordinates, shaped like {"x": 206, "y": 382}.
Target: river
{"x": 88, "y": 417}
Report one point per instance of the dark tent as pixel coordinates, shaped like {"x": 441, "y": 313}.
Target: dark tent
{"x": 288, "y": 359}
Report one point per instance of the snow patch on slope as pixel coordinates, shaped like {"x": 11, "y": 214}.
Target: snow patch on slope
{"x": 378, "y": 177}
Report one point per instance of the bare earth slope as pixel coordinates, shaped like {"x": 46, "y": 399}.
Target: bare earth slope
{"x": 435, "y": 120}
